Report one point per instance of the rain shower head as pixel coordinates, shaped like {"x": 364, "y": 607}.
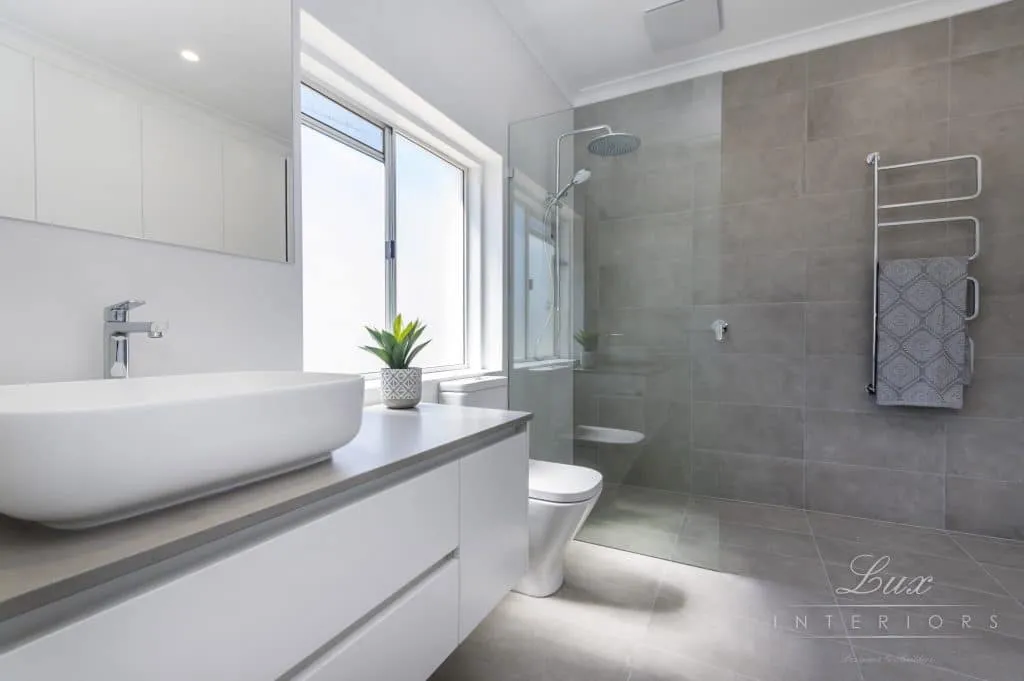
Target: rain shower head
{"x": 613, "y": 144}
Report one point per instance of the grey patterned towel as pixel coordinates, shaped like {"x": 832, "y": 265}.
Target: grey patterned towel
{"x": 922, "y": 337}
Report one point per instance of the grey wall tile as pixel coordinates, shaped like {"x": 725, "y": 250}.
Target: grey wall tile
{"x": 998, "y": 266}
{"x": 657, "y": 328}
{"x": 750, "y": 227}
{"x": 909, "y": 47}
{"x": 839, "y": 163}
{"x": 764, "y": 80}
{"x": 839, "y": 328}
{"x": 985, "y": 507}
{"x": 875, "y": 102}
{"x": 775, "y": 277}
{"x": 988, "y": 29}
{"x": 768, "y": 329}
{"x": 999, "y": 329}
{"x": 644, "y": 283}
{"x": 996, "y": 137}
{"x": 749, "y": 379}
{"x": 664, "y": 457}
{"x": 997, "y": 389}
{"x": 838, "y": 382}
{"x": 747, "y": 429}
{"x": 987, "y": 82}
{"x": 896, "y": 496}
{"x": 982, "y": 448}
{"x": 839, "y": 274}
{"x": 879, "y": 440}
{"x": 765, "y": 123}
{"x": 643, "y": 193}
{"x": 763, "y": 479}
{"x": 621, "y": 412}
{"x": 639, "y": 238}
{"x": 762, "y": 174}
{"x": 835, "y": 219}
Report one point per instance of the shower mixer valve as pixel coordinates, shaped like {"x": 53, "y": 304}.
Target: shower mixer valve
{"x": 720, "y": 327}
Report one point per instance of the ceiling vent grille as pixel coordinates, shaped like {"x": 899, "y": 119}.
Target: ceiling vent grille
{"x": 683, "y": 22}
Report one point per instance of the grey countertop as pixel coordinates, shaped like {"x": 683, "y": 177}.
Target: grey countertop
{"x": 39, "y": 566}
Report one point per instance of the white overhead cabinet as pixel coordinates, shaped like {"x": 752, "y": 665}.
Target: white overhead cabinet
{"x": 17, "y": 169}
{"x": 88, "y": 154}
{"x": 182, "y": 185}
{"x": 255, "y": 201}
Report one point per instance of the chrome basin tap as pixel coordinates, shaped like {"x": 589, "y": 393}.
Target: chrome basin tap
{"x": 116, "y": 331}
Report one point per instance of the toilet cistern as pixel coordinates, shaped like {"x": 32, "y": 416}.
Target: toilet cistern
{"x": 116, "y": 331}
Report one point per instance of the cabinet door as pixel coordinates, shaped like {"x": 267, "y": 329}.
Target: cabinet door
{"x": 17, "y": 170}
{"x": 406, "y": 642}
{"x": 88, "y": 154}
{"x": 494, "y": 539}
{"x": 255, "y": 202}
{"x": 182, "y": 188}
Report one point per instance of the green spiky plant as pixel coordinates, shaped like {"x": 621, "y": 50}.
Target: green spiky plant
{"x": 397, "y": 347}
{"x": 587, "y": 339}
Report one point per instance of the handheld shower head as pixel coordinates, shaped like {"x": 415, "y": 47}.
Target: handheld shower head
{"x": 579, "y": 178}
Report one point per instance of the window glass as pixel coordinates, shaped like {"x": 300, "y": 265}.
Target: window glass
{"x": 520, "y": 282}
{"x": 541, "y": 307}
{"x": 343, "y": 273}
{"x": 334, "y": 115}
{"x": 430, "y": 261}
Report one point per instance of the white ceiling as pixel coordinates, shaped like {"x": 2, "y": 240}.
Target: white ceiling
{"x": 598, "y": 49}
{"x": 244, "y": 46}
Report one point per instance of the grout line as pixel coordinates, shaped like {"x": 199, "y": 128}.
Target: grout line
{"x": 835, "y": 599}
{"x": 985, "y": 570}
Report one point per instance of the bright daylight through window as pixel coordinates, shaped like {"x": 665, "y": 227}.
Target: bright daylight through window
{"x": 360, "y": 267}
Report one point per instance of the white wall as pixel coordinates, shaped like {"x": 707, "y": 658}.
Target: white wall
{"x": 459, "y": 55}
{"x": 225, "y": 312}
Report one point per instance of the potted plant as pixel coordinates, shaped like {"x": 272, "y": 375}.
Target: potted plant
{"x": 401, "y": 386}
{"x": 588, "y": 341}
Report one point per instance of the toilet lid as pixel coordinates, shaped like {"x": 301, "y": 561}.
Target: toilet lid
{"x": 561, "y": 483}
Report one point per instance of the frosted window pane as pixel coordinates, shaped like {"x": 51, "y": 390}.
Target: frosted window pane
{"x": 542, "y": 296}
{"x": 334, "y": 115}
{"x": 431, "y": 250}
{"x": 520, "y": 283}
{"x": 343, "y": 228}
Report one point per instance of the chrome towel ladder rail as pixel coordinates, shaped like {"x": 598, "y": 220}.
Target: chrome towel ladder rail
{"x": 874, "y": 160}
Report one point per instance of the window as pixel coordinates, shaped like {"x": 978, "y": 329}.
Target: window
{"x": 384, "y": 231}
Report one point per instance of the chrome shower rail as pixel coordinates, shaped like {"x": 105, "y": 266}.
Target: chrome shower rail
{"x": 874, "y": 160}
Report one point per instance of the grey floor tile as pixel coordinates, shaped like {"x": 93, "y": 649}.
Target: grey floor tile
{"x": 988, "y": 656}
{"x": 882, "y": 535}
{"x": 1011, "y": 579}
{"x": 651, "y": 664}
{"x": 1001, "y": 552}
{"x": 758, "y": 515}
{"x": 858, "y": 557}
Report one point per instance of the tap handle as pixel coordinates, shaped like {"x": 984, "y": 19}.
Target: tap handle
{"x": 118, "y": 312}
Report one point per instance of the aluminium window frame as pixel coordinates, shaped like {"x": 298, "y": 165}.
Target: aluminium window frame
{"x": 388, "y": 158}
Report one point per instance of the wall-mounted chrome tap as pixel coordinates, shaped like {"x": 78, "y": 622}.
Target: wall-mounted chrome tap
{"x": 116, "y": 331}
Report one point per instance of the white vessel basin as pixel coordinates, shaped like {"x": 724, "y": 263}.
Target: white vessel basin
{"x": 75, "y": 455}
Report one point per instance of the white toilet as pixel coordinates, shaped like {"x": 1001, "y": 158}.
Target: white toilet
{"x": 561, "y": 496}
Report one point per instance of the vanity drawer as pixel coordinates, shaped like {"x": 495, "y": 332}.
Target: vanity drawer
{"x": 255, "y": 614}
{"x": 406, "y": 642}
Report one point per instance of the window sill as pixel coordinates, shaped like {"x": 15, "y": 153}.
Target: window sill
{"x": 431, "y": 381}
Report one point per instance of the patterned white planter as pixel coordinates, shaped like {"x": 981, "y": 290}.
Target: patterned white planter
{"x": 401, "y": 388}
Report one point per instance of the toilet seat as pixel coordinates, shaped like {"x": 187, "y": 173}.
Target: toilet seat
{"x": 562, "y": 484}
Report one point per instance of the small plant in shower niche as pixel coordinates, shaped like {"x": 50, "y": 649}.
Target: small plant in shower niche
{"x": 401, "y": 385}
{"x": 588, "y": 341}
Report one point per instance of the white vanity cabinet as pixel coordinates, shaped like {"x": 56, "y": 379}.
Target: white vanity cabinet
{"x": 383, "y": 587}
